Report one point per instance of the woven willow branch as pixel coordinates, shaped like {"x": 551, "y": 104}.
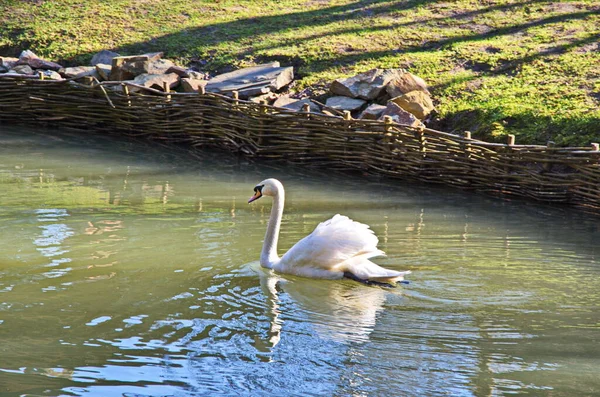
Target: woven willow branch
{"x": 546, "y": 173}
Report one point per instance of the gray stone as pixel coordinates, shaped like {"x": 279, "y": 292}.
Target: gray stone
{"x": 103, "y": 57}
{"x": 372, "y": 112}
{"x": 153, "y": 56}
{"x": 38, "y": 63}
{"x": 191, "y": 85}
{"x": 7, "y": 63}
{"x": 79, "y": 71}
{"x": 23, "y": 69}
{"x": 269, "y": 98}
{"x": 103, "y": 70}
{"x": 51, "y": 75}
{"x": 31, "y": 59}
{"x": 399, "y": 115}
{"x": 160, "y": 66}
{"x": 27, "y": 54}
{"x": 296, "y": 104}
{"x": 128, "y": 67}
{"x": 271, "y": 75}
{"x": 366, "y": 85}
{"x": 157, "y": 81}
{"x": 284, "y": 100}
{"x": 416, "y": 102}
{"x": 402, "y": 82}
{"x": 342, "y": 103}
{"x": 198, "y": 75}
{"x": 179, "y": 71}
{"x": 254, "y": 91}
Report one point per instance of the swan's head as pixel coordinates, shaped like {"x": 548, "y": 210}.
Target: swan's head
{"x": 269, "y": 187}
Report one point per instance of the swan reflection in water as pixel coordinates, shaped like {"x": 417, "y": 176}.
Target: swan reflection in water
{"x": 339, "y": 311}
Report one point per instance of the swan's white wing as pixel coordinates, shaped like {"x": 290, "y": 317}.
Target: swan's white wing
{"x": 332, "y": 243}
{"x": 336, "y": 248}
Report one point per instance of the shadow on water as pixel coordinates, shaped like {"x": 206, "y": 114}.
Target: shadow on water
{"x": 392, "y": 193}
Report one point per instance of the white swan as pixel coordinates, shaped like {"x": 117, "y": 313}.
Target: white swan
{"x": 337, "y": 248}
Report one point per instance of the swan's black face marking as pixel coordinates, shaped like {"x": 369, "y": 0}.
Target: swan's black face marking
{"x": 257, "y": 193}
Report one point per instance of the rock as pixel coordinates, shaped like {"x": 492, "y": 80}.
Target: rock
{"x": 284, "y": 77}
{"x": 79, "y": 71}
{"x": 296, "y": 104}
{"x": 23, "y": 69}
{"x": 254, "y": 91}
{"x": 128, "y": 67}
{"x": 402, "y": 82}
{"x": 154, "y": 56}
{"x": 372, "y": 112}
{"x": 103, "y": 70}
{"x": 342, "y": 103}
{"x": 366, "y": 85}
{"x": 31, "y": 59}
{"x": 157, "y": 81}
{"x": 51, "y": 75}
{"x": 268, "y": 75}
{"x": 104, "y": 57}
{"x": 416, "y": 102}
{"x": 160, "y": 66}
{"x": 43, "y": 64}
{"x": 198, "y": 75}
{"x": 179, "y": 71}
{"x": 191, "y": 85}
{"x": 269, "y": 98}
{"x": 284, "y": 100}
{"x": 27, "y": 54}
{"x": 7, "y": 63}
{"x": 399, "y": 115}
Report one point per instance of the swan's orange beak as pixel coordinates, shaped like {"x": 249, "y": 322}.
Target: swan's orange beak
{"x": 257, "y": 195}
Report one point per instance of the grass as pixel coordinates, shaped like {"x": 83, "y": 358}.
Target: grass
{"x": 529, "y": 68}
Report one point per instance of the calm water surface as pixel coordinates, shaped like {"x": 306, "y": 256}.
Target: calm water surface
{"x": 129, "y": 270}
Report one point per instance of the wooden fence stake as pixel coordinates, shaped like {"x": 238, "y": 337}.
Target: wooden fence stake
{"x": 466, "y": 147}
{"x": 167, "y": 89}
{"x": 510, "y": 140}
{"x": 126, "y": 91}
{"x": 420, "y": 135}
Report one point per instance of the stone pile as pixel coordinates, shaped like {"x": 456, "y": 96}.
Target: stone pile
{"x": 379, "y": 93}
{"x": 371, "y": 95}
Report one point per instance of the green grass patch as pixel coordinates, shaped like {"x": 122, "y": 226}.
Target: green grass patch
{"x": 529, "y": 68}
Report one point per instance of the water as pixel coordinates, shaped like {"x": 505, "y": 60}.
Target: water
{"x": 127, "y": 269}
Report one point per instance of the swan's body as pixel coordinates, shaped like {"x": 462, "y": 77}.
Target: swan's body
{"x": 337, "y": 248}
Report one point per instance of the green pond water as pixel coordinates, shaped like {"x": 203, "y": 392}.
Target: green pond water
{"x": 130, "y": 269}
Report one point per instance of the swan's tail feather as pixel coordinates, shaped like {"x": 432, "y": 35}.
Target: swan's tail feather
{"x": 371, "y": 282}
{"x": 363, "y": 269}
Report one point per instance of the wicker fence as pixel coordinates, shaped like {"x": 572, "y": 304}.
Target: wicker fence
{"x": 552, "y": 174}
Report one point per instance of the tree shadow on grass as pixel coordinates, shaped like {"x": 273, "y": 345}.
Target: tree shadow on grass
{"x": 201, "y": 41}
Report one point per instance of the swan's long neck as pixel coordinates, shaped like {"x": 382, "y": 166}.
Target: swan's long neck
{"x": 268, "y": 256}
